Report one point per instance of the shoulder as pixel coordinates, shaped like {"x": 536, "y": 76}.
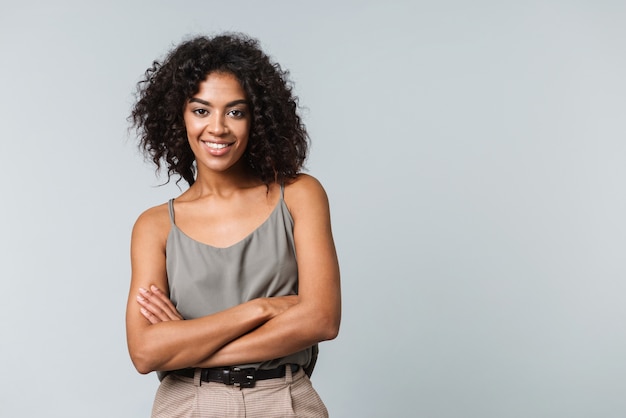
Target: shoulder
{"x": 304, "y": 183}
{"x": 153, "y": 223}
{"x": 305, "y": 193}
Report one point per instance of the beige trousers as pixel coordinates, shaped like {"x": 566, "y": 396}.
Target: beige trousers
{"x": 289, "y": 396}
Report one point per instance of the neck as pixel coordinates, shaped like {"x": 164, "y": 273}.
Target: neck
{"x": 223, "y": 183}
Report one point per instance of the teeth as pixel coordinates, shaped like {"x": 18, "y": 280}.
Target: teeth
{"x": 215, "y": 146}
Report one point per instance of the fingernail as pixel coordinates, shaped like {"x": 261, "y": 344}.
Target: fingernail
{"x": 142, "y": 290}
{"x": 140, "y": 299}
{"x": 154, "y": 288}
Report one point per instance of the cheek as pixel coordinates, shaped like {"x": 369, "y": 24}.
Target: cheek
{"x": 191, "y": 126}
{"x": 246, "y": 129}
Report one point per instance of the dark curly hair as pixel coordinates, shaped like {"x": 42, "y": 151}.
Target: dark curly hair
{"x": 278, "y": 141}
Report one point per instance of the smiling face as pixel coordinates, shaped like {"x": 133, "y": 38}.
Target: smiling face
{"x": 217, "y": 120}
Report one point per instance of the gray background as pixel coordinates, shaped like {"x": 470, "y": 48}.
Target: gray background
{"x": 473, "y": 153}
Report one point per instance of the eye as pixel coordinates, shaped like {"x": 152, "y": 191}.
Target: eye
{"x": 200, "y": 112}
{"x": 236, "y": 113}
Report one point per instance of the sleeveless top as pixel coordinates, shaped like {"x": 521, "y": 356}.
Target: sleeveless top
{"x": 204, "y": 279}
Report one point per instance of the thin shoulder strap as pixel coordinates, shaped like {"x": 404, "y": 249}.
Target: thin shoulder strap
{"x": 282, "y": 191}
{"x": 170, "y": 205}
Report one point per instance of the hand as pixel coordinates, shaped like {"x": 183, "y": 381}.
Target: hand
{"x": 156, "y": 306}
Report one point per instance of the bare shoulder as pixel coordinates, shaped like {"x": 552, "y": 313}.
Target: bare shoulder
{"x": 153, "y": 223}
{"x": 305, "y": 184}
{"x": 305, "y": 193}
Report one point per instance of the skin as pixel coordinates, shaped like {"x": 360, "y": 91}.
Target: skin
{"x": 224, "y": 205}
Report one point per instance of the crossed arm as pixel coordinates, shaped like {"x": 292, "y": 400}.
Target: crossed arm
{"x": 258, "y": 330}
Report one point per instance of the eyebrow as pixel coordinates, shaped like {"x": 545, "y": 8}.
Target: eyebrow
{"x": 229, "y": 104}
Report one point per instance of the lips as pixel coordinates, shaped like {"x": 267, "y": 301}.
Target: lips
{"x": 216, "y": 145}
{"x": 217, "y": 149}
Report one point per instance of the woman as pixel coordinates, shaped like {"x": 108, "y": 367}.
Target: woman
{"x": 235, "y": 281}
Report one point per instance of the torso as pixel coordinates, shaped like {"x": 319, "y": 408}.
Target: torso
{"x": 224, "y": 252}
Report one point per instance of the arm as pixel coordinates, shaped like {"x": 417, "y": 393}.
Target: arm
{"x": 174, "y": 343}
{"x": 316, "y": 316}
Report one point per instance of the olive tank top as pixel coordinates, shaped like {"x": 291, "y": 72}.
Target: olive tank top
{"x": 204, "y": 279}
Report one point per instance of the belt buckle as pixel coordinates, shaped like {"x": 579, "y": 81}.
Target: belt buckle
{"x": 243, "y": 378}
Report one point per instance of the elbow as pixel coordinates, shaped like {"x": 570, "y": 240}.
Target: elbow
{"x": 142, "y": 364}
{"x": 142, "y": 359}
{"x": 328, "y": 328}
{"x": 331, "y": 332}
{"x": 142, "y": 367}
{"x": 324, "y": 322}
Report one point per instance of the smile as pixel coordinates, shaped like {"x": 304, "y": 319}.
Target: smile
{"x": 215, "y": 145}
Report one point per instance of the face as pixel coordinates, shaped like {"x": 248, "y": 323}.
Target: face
{"x": 217, "y": 119}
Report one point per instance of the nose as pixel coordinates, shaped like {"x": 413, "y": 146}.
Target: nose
{"x": 216, "y": 125}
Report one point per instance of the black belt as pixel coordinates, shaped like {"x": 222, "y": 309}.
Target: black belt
{"x": 244, "y": 378}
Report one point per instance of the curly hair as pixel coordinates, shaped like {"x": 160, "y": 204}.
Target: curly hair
{"x": 278, "y": 141}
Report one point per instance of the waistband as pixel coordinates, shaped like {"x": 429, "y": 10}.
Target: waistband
{"x": 236, "y": 376}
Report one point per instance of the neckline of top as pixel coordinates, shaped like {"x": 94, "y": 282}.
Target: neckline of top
{"x": 247, "y": 237}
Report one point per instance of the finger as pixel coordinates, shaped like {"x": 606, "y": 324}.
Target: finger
{"x": 155, "y": 310}
{"x": 149, "y": 316}
{"x": 160, "y": 305}
{"x": 153, "y": 298}
{"x": 165, "y": 304}
{"x": 168, "y": 307}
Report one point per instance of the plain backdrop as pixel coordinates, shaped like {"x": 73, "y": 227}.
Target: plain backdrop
{"x": 473, "y": 153}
